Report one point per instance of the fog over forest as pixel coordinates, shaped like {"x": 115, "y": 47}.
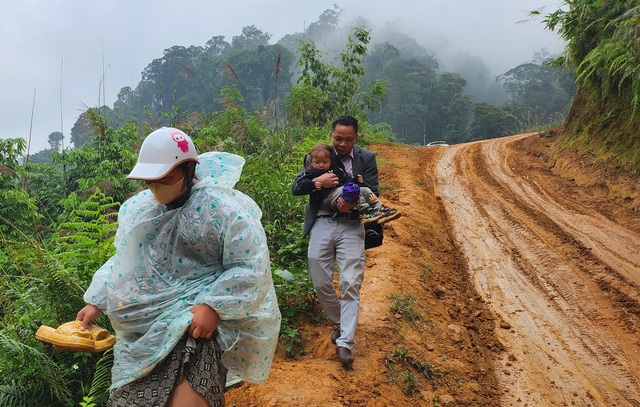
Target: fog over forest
{"x": 62, "y": 59}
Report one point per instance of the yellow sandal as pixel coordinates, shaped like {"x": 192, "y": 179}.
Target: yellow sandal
{"x": 69, "y": 337}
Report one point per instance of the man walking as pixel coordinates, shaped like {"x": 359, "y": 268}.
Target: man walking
{"x": 339, "y": 238}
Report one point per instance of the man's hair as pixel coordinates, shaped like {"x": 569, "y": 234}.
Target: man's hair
{"x": 345, "y": 121}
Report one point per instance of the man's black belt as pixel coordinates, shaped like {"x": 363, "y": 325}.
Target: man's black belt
{"x": 341, "y": 215}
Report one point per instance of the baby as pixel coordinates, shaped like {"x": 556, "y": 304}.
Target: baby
{"x": 320, "y": 160}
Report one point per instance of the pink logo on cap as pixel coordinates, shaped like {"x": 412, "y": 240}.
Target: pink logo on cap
{"x": 180, "y": 140}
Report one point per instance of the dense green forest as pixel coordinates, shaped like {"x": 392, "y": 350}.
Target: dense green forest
{"x": 270, "y": 103}
{"x": 400, "y": 84}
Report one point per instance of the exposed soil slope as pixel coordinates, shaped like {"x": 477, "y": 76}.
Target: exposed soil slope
{"x": 526, "y": 288}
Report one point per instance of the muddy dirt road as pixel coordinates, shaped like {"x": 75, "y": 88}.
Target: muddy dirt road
{"x": 523, "y": 290}
{"x": 562, "y": 274}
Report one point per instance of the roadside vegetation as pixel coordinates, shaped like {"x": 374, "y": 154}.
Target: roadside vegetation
{"x": 603, "y": 46}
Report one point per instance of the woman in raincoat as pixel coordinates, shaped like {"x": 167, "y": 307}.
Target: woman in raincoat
{"x": 189, "y": 291}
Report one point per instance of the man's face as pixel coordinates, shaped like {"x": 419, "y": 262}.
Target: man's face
{"x": 343, "y": 139}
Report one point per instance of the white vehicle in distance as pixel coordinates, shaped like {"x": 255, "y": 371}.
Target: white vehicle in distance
{"x": 437, "y": 144}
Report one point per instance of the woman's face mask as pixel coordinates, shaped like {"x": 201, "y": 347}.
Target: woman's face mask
{"x": 166, "y": 193}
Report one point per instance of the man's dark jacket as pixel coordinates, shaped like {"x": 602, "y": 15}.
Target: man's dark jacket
{"x": 364, "y": 163}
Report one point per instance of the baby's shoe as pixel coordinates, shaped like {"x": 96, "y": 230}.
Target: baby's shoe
{"x": 388, "y": 215}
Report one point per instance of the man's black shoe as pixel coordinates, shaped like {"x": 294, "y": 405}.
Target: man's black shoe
{"x": 335, "y": 334}
{"x": 344, "y": 356}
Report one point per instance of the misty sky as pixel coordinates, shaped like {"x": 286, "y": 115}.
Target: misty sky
{"x": 58, "y": 49}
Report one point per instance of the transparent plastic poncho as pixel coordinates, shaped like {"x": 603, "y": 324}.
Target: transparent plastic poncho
{"x": 212, "y": 251}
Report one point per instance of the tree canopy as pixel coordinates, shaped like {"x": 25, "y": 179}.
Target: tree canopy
{"x": 398, "y": 82}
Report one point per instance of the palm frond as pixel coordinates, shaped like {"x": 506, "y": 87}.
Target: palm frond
{"x": 230, "y": 72}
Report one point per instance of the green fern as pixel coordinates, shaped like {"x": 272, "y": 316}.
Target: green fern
{"x": 28, "y": 377}
{"x": 85, "y": 239}
{"x": 101, "y": 382}
{"x": 39, "y": 286}
{"x": 603, "y": 43}
{"x": 87, "y": 402}
{"x": 13, "y": 395}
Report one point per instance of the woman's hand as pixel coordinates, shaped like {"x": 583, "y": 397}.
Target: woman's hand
{"x": 204, "y": 322}
{"x": 87, "y": 315}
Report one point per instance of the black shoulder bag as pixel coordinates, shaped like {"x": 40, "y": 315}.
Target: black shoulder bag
{"x": 372, "y": 231}
{"x": 372, "y": 235}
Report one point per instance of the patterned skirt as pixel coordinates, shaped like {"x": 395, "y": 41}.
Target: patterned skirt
{"x": 197, "y": 360}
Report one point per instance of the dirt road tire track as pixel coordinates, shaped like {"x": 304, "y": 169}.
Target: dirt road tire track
{"x": 562, "y": 276}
